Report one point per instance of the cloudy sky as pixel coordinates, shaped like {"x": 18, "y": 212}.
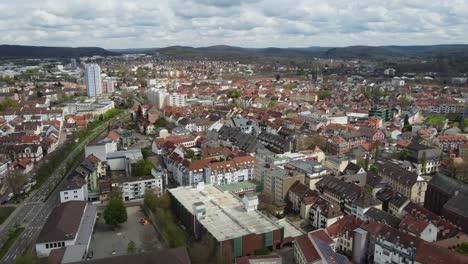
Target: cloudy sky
{"x": 246, "y": 23}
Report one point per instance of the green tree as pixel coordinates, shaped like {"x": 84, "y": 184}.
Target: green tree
{"x": 131, "y": 247}
{"x": 151, "y": 200}
{"x": 403, "y": 101}
{"x": 374, "y": 168}
{"x": 142, "y": 168}
{"x": 8, "y": 103}
{"x": 423, "y": 162}
{"x": 145, "y": 152}
{"x": 406, "y": 125}
{"x": 190, "y": 154}
{"x": 233, "y": 94}
{"x": 115, "y": 212}
{"x": 404, "y": 153}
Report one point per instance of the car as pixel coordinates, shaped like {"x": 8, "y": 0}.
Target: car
{"x": 90, "y": 255}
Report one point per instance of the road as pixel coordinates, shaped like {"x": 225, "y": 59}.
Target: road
{"x": 33, "y": 213}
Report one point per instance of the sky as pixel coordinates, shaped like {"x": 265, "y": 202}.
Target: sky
{"x": 244, "y": 23}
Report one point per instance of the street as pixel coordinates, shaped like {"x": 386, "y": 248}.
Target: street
{"x": 33, "y": 212}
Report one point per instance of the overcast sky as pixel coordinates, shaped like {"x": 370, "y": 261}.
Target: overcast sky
{"x": 245, "y": 23}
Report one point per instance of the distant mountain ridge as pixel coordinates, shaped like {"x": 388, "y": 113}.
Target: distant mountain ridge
{"x": 51, "y": 52}
{"x": 351, "y": 52}
{"x": 458, "y": 52}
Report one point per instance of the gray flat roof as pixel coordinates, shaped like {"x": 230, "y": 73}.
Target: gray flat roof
{"x": 226, "y": 217}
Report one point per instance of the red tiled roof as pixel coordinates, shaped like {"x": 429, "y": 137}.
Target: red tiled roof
{"x": 307, "y": 248}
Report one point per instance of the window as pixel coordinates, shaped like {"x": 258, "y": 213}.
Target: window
{"x": 47, "y": 245}
{"x": 76, "y": 196}
{"x": 65, "y": 193}
{"x": 75, "y": 191}
{"x": 55, "y": 245}
{"x": 66, "y": 198}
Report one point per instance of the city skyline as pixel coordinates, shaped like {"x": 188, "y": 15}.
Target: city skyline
{"x": 256, "y": 24}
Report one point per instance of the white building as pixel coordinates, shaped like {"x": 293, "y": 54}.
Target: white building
{"x": 93, "y": 79}
{"x": 123, "y": 160}
{"x": 157, "y": 97}
{"x": 176, "y": 99}
{"x": 101, "y": 150}
{"x": 133, "y": 188}
{"x": 69, "y": 226}
{"x": 75, "y": 190}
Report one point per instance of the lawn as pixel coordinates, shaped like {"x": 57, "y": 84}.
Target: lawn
{"x": 5, "y": 212}
{"x": 435, "y": 120}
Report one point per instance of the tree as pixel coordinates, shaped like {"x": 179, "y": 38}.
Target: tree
{"x": 131, "y": 247}
{"x": 404, "y": 153}
{"x": 374, "y": 168}
{"x": 233, "y": 94}
{"x": 423, "y": 162}
{"x": 145, "y": 152}
{"x": 8, "y": 103}
{"x": 403, "y": 101}
{"x": 277, "y": 77}
{"x": 16, "y": 181}
{"x": 151, "y": 200}
{"x": 115, "y": 212}
{"x": 406, "y": 125}
{"x": 190, "y": 154}
{"x": 142, "y": 168}
{"x": 376, "y": 148}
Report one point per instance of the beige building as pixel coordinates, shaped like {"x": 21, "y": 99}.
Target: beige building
{"x": 278, "y": 181}
{"x": 403, "y": 181}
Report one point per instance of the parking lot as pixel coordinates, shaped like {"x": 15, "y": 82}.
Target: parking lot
{"x": 107, "y": 242}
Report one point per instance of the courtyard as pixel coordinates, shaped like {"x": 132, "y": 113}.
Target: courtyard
{"x": 108, "y": 242}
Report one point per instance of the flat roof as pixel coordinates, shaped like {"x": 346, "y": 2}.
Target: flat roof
{"x": 238, "y": 186}
{"x": 290, "y": 230}
{"x": 225, "y": 217}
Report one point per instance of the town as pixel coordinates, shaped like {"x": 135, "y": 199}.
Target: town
{"x": 136, "y": 157}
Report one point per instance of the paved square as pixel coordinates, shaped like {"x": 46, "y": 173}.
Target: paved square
{"x": 105, "y": 240}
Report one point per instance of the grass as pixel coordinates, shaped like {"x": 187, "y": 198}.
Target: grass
{"x": 463, "y": 248}
{"x": 5, "y": 212}
{"x": 12, "y": 236}
{"x": 435, "y": 120}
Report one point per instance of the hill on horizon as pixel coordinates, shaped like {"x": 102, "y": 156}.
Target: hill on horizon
{"x": 51, "y": 52}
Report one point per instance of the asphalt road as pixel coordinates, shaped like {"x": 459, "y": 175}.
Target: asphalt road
{"x": 33, "y": 213}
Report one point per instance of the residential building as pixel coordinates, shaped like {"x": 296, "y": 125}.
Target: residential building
{"x": 403, "y": 181}
{"x": 157, "y": 97}
{"x": 316, "y": 247}
{"x": 323, "y": 214}
{"x": 426, "y": 159}
{"x": 108, "y": 85}
{"x": 133, "y": 188}
{"x": 176, "y": 99}
{"x": 93, "y": 79}
{"x": 76, "y": 189}
{"x": 277, "y": 182}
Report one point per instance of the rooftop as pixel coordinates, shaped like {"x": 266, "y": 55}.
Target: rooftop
{"x": 63, "y": 222}
{"x": 237, "y": 186}
{"x": 226, "y": 217}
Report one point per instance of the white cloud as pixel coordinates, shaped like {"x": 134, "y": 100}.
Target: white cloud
{"x": 248, "y": 23}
